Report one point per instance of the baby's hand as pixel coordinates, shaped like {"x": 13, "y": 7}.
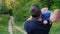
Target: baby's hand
{"x": 45, "y": 22}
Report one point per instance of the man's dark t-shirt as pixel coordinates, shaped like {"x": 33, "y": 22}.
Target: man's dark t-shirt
{"x": 37, "y": 27}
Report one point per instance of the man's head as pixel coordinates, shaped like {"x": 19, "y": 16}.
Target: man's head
{"x": 35, "y": 11}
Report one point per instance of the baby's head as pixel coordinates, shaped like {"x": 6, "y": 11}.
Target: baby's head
{"x": 55, "y": 16}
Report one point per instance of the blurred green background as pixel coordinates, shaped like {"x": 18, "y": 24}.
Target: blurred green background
{"x": 21, "y": 13}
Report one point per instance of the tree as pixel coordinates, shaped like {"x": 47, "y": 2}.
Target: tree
{"x": 47, "y": 3}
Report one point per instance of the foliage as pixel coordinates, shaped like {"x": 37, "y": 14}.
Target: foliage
{"x": 21, "y": 7}
{"x": 21, "y": 12}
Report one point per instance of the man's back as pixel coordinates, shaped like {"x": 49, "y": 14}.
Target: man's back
{"x": 36, "y": 27}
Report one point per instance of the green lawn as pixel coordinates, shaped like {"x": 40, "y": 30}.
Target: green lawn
{"x": 4, "y": 30}
{"x": 55, "y": 29}
{"x": 4, "y": 25}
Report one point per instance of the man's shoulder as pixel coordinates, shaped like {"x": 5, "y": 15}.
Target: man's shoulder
{"x": 30, "y": 21}
{"x": 27, "y": 21}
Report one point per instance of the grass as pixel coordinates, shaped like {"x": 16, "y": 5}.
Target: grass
{"x": 4, "y": 30}
{"x": 55, "y": 29}
{"x": 4, "y": 26}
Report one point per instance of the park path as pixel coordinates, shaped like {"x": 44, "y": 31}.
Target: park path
{"x": 11, "y": 24}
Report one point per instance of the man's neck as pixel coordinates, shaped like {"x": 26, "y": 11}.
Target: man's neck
{"x": 38, "y": 19}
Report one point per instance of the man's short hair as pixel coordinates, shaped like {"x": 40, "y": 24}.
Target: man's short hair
{"x": 35, "y": 11}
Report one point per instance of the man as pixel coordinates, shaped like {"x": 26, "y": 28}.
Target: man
{"x": 36, "y": 25}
